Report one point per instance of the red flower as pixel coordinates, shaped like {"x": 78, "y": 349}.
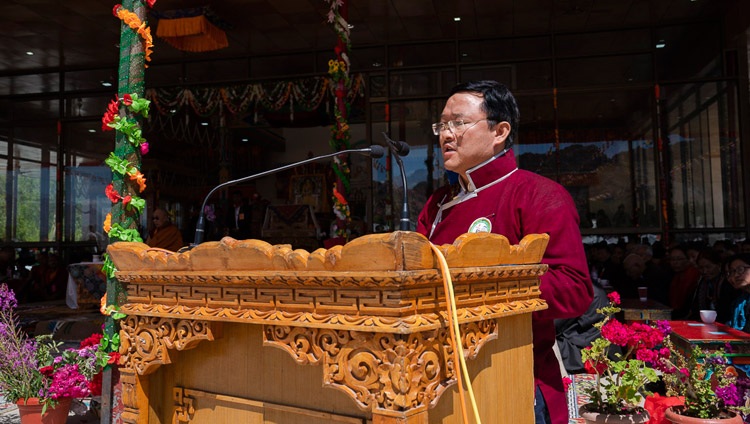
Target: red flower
{"x": 614, "y": 297}
{"x": 127, "y": 100}
{"x": 567, "y": 381}
{"x": 599, "y": 368}
{"x": 47, "y": 371}
{"x": 95, "y": 385}
{"x": 109, "y": 114}
{"x": 111, "y": 193}
{"x": 126, "y": 200}
{"x": 144, "y": 148}
{"x": 115, "y": 9}
{"x": 114, "y": 358}
{"x": 151, "y": 3}
{"x": 91, "y": 340}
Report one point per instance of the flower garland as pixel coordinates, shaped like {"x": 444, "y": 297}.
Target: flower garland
{"x": 338, "y": 69}
{"x": 127, "y": 123}
{"x": 306, "y": 94}
{"x": 132, "y": 20}
{"x": 130, "y": 127}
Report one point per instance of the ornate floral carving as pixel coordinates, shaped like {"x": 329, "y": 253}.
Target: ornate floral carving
{"x": 146, "y": 341}
{"x": 393, "y": 372}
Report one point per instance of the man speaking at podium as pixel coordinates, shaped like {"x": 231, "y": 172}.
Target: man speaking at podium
{"x": 477, "y": 128}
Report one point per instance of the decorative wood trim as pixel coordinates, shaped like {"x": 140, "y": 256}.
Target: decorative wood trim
{"x": 381, "y": 371}
{"x": 145, "y": 341}
{"x": 184, "y": 410}
{"x": 185, "y": 401}
{"x": 414, "y": 323}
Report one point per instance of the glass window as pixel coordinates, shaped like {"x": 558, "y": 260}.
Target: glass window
{"x": 35, "y": 83}
{"x": 603, "y": 154}
{"x": 705, "y": 172}
{"x": 410, "y": 122}
{"x": 91, "y": 79}
{"x": 34, "y": 110}
{"x": 31, "y": 187}
{"x": 506, "y": 49}
{"x": 366, "y": 58}
{"x": 34, "y": 194}
{"x": 421, "y": 83}
{"x": 86, "y": 177}
{"x": 3, "y": 181}
{"x": 602, "y": 42}
{"x": 78, "y": 107}
{"x": 585, "y": 72}
{"x": 421, "y": 54}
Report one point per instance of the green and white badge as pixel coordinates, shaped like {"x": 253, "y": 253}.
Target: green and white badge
{"x": 480, "y": 225}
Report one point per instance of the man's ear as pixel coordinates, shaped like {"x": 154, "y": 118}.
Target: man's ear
{"x": 502, "y": 131}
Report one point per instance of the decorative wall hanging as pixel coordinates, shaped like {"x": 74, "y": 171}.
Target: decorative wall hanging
{"x": 192, "y": 30}
{"x": 306, "y": 94}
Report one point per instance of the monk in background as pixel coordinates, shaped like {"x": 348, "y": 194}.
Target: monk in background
{"x": 165, "y": 234}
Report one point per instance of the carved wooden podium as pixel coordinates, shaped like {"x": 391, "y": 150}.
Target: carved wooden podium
{"x": 370, "y": 316}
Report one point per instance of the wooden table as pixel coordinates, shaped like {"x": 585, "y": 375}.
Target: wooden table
{"x": 686, "y": 334}
{"x": 635, "y": 310}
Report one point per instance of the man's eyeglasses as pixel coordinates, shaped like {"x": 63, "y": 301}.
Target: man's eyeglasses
{"x": 455, "y": 126}
{"x": 738, "y": 271}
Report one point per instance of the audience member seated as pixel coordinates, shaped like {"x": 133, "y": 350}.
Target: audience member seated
{"x": 657, "y": 274}
{"x": 738, "y": 275}
{"x": 574, "y": 334}
{"x": 48, "y": 280}
{"x": 683, "y": 284}
{"x": 164, "y": 234}
{"x": 725, "y": 249}
{"x": 628, "y": 282}
{"x": 601, "y": 267}
{"x": 714, "y": 291}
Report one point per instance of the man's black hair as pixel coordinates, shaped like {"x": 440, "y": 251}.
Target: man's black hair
{"x": 499, "y": 104}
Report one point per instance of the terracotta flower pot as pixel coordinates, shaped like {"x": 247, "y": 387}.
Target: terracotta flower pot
{"x": 593, "y": 417}
{"x": 727, "y": 417}
{"x": 30, "y": 411}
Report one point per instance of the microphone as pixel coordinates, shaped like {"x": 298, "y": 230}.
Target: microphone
{"x": 400, "y": 148}
{"x": 375, "y": 151}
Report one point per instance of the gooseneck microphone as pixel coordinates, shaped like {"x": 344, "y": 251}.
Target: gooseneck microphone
{"x": 374, "y": 151}
{"x": 400, "y": 148}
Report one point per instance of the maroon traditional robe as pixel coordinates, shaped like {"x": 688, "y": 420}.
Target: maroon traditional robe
{"x": 516, "y": 203}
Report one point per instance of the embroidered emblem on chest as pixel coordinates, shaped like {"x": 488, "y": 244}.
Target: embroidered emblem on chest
{"x": 480, "y": 225}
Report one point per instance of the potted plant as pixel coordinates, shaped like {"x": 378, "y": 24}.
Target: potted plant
{"x": 622, "y": 376}
{"x": 711, "y": 386}
{"x": 39, "y": 377}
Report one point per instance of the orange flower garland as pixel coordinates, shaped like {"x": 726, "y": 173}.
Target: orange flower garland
{"x": 108, "y": 223}
{"x": 139, "y": 178}
{"x": 132, "y": 20}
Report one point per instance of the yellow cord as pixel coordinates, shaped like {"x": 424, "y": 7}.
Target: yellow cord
{"x": 455, "y": 333}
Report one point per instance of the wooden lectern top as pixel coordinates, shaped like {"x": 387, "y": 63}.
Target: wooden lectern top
{"x": 396, "y": 251}
{"x": 384, "y": 282}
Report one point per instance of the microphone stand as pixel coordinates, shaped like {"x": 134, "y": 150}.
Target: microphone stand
{"x": 400, "y": 148}
{"x": 405, "y": 222}
{"x": 200, "y": 228}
